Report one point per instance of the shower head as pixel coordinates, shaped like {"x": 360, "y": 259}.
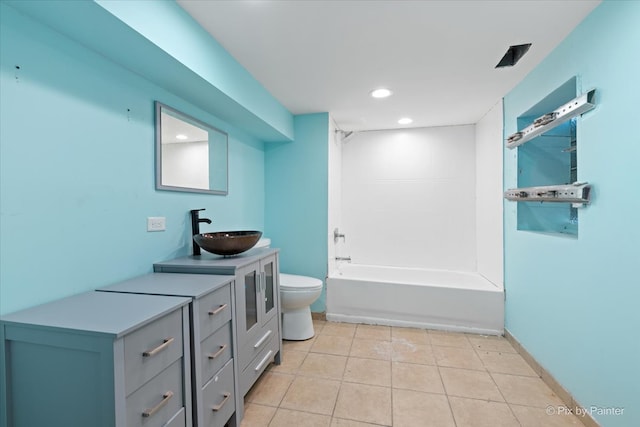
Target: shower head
{"x": 344, "y": 135}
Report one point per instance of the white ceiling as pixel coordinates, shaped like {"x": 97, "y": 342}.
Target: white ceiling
{"x": 437, "y": 57}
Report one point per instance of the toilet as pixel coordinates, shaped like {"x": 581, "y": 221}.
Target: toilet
{"x": 297, "y": 293}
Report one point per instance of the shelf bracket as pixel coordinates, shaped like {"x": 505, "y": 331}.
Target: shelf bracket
{"x": 546, "y": 122}
{"x": 577, "y": 193}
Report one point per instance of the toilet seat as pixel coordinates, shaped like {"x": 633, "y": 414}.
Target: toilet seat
{"x": 293, "y": 283}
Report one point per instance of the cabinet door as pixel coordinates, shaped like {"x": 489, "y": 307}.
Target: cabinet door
{"x": 248, "y": 301}
{"x": 270, "y": 289}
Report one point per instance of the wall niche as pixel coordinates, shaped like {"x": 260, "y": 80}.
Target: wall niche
{"x": 548, "y": 194}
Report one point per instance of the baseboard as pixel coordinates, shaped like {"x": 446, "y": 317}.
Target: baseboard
{"x": 368, "y": 320}
{"x": 319, "y": 316}
{"x": 553, "y": 384}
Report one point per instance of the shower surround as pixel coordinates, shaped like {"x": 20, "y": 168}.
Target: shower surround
{"x": 406, "y": 202}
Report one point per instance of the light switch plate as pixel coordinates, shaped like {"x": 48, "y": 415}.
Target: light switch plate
{"x": 156, "y": 223}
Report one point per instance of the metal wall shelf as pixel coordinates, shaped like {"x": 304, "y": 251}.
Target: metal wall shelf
{"x": 577, "y": 193}
{"x": 542, "y": 124}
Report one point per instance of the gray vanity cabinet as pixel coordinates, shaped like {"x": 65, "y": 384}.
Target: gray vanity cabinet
{"x": 257, "y": 297}
{"x": 97, "y": 359}
{"x": 257, "y": 294}
{"x": 211, "y": 338}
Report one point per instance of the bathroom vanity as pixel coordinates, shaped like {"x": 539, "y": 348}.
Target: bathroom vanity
{"x": 257, "y": 304}
{"x": 160, "y": 350}
{"x": 97, "y": 359}
{"x": 211, "y": 339}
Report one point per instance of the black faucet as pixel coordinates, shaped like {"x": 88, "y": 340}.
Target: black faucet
{"x": 195, "y": 227}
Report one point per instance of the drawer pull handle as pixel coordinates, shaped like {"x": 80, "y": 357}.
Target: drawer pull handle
{"x": 221, "y": 404}
{"x": 217, "y": 310}
{"x": 165, "y": 399}
{"x": 165, "y": 343}
{"x": 263, "y": 361}
{"x": 217, "y": 353}
{"x": 263, "y": 339}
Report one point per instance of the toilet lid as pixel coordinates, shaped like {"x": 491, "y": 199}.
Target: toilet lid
{"x": 293, "y": 282}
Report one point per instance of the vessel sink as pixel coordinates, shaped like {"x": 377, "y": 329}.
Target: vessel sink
{"x": 227, "y": 242}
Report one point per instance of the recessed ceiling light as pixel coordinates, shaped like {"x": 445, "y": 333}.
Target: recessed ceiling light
{"x": 380, "y": 93}
{"x": 405, "y": 121}
{"x": 181, "y": 137}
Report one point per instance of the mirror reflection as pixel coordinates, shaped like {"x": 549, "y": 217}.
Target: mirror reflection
{"x": 190, "y": 155}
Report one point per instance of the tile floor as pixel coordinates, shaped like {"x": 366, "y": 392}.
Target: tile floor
{"x": 365, "y": 376}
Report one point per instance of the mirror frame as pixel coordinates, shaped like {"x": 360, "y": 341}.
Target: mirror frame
{"x": 159, "y": 108}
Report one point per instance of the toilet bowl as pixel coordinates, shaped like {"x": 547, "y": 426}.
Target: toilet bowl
{"x": 297, "y": 293}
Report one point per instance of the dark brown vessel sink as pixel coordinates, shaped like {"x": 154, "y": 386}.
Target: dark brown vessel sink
{"x": 227, "y": 242}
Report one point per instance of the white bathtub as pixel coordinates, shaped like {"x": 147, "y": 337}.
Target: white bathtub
{"x": 435, "y": 299}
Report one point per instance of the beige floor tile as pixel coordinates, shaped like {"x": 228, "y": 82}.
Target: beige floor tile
{"x": 270, "y": 389}
{"x": 372, "y": 376}
{"x": 449, "y": 339}
{"x": 366, "y": 403}
{"x": 480, "y": 413}
{"x": 318, "y": 325}
{"x": 403, "y": 351}
{"x": 290, "y": 363}
{"x": 371, "y": 349}
{"x": 468, "y": 383}
{"x": 368, "y": 371}
{"x": 329, "y": 344}
{"x": 505, "y": 363}
{"x": 491, "y": 343}
{"x": 374, "y": 332}
{"x": 288, "y": 418}
{"x": 311, "y": 395}
{"x": 257, "y": 415}
{"x": 410, "y": 335}
{"x": 410, "y": 376}
{"x": 536, "y": 417}
{"x": 326, "y": 366}
{"x": 339, "y": 329}
{"x": 298, "y": 345}
{"x": 528, "y": 391}
{"x": 339, "y": 422}
{"x": 412, "y": 408}
{"x": 455, "y": 357}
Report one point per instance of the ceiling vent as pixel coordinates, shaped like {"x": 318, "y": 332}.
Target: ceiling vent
{"x": 513, "y": 55}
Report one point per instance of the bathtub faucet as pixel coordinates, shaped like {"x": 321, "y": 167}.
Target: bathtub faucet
{"x": 343, "y": 258}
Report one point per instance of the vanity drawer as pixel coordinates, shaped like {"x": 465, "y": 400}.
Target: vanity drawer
{"x": 214, "y": 310}
{"x": 218, "y": 397}
{"x": 151, "y": 349}
{"x": 251, "y": 373}
{"x": 216, "y": 351}
{"x": 258, "y": 342}
{"x": 156, "y": 402}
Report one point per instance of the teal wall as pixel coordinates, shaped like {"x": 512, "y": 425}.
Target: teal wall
{"x": 187, "y": 43}
{"x": 77, "y": 170}
{"x": 296, "y": 216}
{"x": 573, "y": 302}
{"x": 160, "y": 41}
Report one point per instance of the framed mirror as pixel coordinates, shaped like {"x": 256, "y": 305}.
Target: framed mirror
{"x": 190, "y": 155}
